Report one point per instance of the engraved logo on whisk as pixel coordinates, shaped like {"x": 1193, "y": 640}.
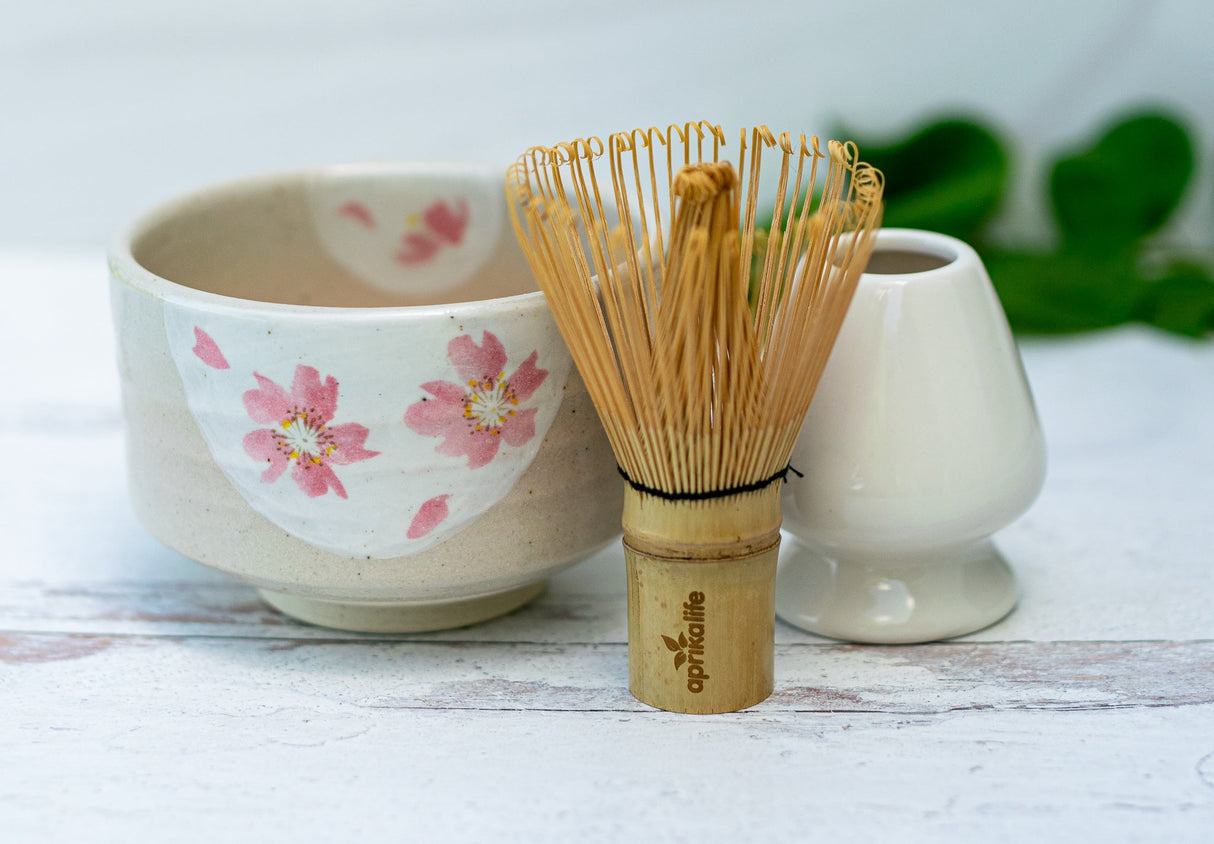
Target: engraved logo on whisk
{"x": 689, "y": 647}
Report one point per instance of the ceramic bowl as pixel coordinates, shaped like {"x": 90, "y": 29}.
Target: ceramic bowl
{"x": 343, "y": 387}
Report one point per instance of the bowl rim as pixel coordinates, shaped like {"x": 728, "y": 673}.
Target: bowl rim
{"x": 956, "y": 254}
{"x": 125, "y": 268}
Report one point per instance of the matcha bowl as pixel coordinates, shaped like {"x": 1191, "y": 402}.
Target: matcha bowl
{"x": 343, "y": 387}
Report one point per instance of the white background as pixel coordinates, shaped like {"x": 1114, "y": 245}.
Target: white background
{"x": 110, "y": 107}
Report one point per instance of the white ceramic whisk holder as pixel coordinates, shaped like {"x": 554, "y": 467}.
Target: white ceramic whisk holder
{"x": 921, "y": 442}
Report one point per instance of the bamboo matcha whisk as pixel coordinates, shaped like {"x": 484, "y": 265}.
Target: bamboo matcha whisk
{"x": 647, "y": 269}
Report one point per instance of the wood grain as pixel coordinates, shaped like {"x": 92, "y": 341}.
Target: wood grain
{"x": 466, "y": 742}
{"x": 908, "y": 680}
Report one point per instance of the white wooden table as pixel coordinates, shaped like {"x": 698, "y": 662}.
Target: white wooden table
{"x": 145, "y": 698}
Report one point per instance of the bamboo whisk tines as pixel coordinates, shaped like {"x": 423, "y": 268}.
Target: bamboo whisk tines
{"x": 648, "y": 277}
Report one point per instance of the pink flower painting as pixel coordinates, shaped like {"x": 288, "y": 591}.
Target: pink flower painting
{"x": 431, "y": 514}
{"x": 477, "y": 415}
{"x": 358, "y": 212}
{"x": 207, "y": 350}
{"x": 446, "y": 222}
{"x": 301, "y": 436}
{"x": 443, "y": 225}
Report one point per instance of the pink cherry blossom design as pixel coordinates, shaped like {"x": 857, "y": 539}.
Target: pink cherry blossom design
{"x": 207, "y": 350}
{"x": 358, "y": 212}
{"x": 444, "y": 226}
{"x": 429, "y": 516}
{"x": 474, "y": 418}
{"x": 301, "y": 433}
{"x": 447, "y": 223}
{"x": 417, "y": 248}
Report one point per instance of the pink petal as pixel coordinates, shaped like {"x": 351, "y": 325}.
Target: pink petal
{"x": 479, "y": 446}
{"x": 316, "y": 479}
{"x": 207, "y": 350}
{"x": 269, "y": 403}
{"x": 417, "y": 248}
{"x": 527, "y": 378}
{"x": 261, "y": 446}
{"x": 437, "y": 417}
{"x": 446, "y": 223}
{"x": 358, "y": 212}
{"x": 474, "y": 362}
{"x": 431, "y": 514}
{"x": 311, "y": 395}
{"x": 349, "y": 439}
{"x": 446, "y": 391}
{"x": 519, "y": 428}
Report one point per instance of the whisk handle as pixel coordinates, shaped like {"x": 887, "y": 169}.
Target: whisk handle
{"x": 701, "y": 599}
{"x": 700, "y": 634}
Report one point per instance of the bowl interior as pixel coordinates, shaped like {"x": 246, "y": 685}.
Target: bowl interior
{"x": 904, "y": 261}
{"x": 350, "y": 237}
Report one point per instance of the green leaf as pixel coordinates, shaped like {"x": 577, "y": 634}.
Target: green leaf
{"x": 1063, "y": 293}
{"x": 1182, "y": 301}
{"x": 1123, "y": 187}
{"x": 947, "y": 176}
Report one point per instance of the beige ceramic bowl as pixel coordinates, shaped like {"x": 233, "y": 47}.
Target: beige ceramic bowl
{"x": 343, "y": 387}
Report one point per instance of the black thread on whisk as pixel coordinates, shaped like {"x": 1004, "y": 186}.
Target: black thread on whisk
{"x": 781, "y": 475}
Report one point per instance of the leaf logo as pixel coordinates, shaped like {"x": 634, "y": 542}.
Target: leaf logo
{"x": 679, "y": 647}
{"x": 688, "y": 649}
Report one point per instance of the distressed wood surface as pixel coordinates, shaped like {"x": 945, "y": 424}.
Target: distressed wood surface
{"x": 463, "y": 742}
{"x": 144, "y": 696}
{"x": 906, "y": 680}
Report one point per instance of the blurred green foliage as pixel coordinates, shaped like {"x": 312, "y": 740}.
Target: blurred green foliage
{"x": 946, "y": 177}
{"x": 1107, "y": 198}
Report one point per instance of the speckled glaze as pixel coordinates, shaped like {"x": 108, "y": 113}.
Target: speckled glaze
{"x": 921, "y": 442}
{"x": 342, "y": 387}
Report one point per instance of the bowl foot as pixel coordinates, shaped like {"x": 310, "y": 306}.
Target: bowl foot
{"x": 864, "y": 598}
{"x": 401, "y": 618}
